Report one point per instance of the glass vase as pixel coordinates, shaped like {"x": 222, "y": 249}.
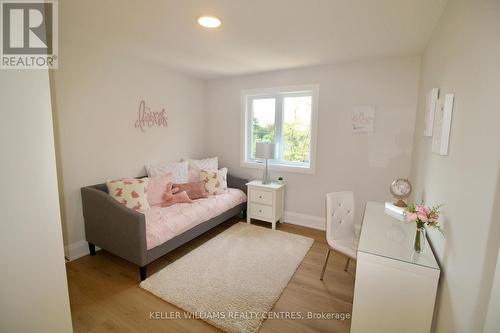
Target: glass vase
{"x": 419, "y": 243}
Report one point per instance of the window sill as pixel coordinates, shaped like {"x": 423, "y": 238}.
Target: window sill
{"x": 279, "y": 167}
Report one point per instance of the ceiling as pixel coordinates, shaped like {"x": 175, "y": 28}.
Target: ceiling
{"x": 256, "y": 35}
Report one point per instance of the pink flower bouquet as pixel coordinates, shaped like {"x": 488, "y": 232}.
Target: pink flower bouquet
{"x": 423, "y": 215}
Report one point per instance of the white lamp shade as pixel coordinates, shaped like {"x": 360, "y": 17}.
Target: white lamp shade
{"x": 265, "y": 150}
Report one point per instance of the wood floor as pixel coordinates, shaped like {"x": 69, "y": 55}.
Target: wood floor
{"x": 105, "y": 295}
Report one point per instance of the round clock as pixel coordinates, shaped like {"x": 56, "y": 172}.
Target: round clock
{"x": 400, "y": 189}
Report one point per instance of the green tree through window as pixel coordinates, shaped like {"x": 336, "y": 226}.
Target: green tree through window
{"x": 285, "y": 118}
{"x": 297, "y": 144}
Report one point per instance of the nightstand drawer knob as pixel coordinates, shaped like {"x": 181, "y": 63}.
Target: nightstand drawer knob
{"x": 260, "y": 210}
{"x": 261, "y": 196}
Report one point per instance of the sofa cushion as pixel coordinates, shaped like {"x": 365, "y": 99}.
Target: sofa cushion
{"x": 179, "y": 170}
{"x": 164, "y": 223}
{"x": 157, "y": 188}
{"x": 204, "y": 164}
{"x": 215, "y": 181}
{"x": 130, "y": 192}
{"x": 195, "y": 166}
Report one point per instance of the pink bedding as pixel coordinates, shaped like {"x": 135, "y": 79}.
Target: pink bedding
{"x": 164, "y": 223}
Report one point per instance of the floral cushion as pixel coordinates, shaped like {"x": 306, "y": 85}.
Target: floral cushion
{"x": 130, "y": 192}
{"x": 215, "y": 181}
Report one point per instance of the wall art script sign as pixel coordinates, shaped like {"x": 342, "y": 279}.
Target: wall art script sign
{"x": 363, "y": 117}
{"x": 148, "y": 118}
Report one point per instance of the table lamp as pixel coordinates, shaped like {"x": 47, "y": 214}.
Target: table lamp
{"x": 265, "y": 150}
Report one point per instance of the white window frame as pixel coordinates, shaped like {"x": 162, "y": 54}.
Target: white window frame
{"x": 246, "y": 126}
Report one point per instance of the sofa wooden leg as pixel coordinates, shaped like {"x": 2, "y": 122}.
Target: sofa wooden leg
{"x": 92, "y": 249}
{"x": 143, "y": 272}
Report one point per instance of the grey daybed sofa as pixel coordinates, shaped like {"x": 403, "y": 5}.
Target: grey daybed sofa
{"x": 122, "y": 231}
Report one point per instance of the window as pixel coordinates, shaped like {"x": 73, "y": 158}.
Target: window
{"x": 285, "y": 116}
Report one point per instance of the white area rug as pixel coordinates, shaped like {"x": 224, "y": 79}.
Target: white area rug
{"x": 234, "y": 279}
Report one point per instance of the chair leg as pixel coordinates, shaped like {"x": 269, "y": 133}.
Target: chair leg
{"x": 143, "y": 272}
{"x": 347, "y": 264}
{"x": 326, "y": 262}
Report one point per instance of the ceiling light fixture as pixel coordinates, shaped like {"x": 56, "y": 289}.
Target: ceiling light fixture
{"x": 209, "y": 21}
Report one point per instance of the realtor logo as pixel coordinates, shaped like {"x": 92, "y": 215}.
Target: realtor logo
{"x": 29, "y": 34}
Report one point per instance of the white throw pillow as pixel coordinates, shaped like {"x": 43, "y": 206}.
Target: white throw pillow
{"x": 179, "y": 170}
{"x": 215, "y": 181}
{"x": 195, "y": 166}
{"x": 204, "y": 164}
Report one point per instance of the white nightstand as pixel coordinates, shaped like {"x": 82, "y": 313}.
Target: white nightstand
{"x": 265, "y": 202}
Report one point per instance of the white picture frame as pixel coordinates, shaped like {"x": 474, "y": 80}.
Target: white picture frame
{"x": 430, "y": 111}
{"x": 442, "y": 125}
{"x": 363, "y": 118}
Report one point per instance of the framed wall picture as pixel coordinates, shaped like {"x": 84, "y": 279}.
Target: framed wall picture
{"x": 363, "y": 118}
{"x": 430, "y": 110}
{"x": 442, "y": 125}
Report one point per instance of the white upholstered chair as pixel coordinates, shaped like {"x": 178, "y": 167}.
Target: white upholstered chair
{"x": 340, "y": 233}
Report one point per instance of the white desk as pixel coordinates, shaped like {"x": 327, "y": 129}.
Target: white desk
{"x": 395, "y": 287}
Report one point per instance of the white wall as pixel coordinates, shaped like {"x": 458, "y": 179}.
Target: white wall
{"x": 364, "y": 163}
{"x": 492, "y": 320}
{"x": 33, "y": 287}
{"x": 492, "y": 323}
{"x": 98, "y": 91}
{"x": 463, "y": 57}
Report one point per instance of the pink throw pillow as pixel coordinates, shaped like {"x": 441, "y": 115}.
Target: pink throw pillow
{"x": 195, "y": 190}
{"x": 157, "y": 188}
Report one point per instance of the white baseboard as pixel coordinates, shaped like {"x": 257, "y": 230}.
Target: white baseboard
{"x": 305, "y": 220}
{"x": 77, "y": 250}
